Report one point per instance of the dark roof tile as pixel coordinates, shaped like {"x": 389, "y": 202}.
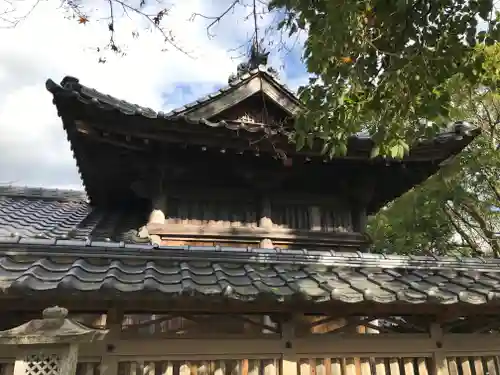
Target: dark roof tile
{"x": 30, "y": 192}
{"x": 244, "y": 280}
{"x": 49, "y": 214}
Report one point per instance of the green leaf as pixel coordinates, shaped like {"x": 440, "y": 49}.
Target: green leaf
{"x": 387, "y": 63}
{"x": 397, "y": 151}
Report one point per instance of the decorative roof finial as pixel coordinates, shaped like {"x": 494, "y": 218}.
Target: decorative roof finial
{"x": 257, "y": 57}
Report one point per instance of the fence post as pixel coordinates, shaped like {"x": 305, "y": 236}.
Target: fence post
{"x": 109, "y": 361}
{"x": 289, "y": 356}
{"x": 439, "y": 362}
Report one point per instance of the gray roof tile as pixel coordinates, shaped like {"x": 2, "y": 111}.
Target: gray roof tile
{"x": 223, "y": 272}
{"x": 61, "y": 214}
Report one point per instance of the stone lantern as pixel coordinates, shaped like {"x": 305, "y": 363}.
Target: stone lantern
{"x": 49, "y": 346}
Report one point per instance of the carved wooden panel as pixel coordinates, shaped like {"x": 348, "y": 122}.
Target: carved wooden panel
{"x": 207, "y": 211}
{"x": 256, "y": 110}
{"x": 253, "y": 115}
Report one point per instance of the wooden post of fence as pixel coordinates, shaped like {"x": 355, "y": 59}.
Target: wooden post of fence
{"x": 289, "y": 356}
{"x": 440, "y": 364}
{"x": 109, "y": 361}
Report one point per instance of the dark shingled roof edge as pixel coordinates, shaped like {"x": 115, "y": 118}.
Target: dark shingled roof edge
{"x": 71, "y": 86}
{"x": 243, "y": 274}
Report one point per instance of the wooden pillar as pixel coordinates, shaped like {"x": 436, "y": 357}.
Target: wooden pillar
{"x": 359, "y": 218}
{"x": 358, "y": 192}
{"x": 158, "y": 213}
{"x": 109, "y": 362}
{"x": 152, "y": 188}
{"x": 439, "y": 362}
{"x": 265, "y": 220}
{"x": 289, "y": 357}
{"x": 159, "y": 209}
{"x": 49, "y": 346}
{"x": 315, "y": 215}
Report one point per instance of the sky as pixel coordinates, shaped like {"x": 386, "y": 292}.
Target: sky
{"x": 49, "y": 44}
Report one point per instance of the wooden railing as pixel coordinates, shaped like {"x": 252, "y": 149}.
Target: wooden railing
{"x": 487, "y": 365}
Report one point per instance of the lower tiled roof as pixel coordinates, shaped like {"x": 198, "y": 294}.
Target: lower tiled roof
{"x": 29, "y": 267}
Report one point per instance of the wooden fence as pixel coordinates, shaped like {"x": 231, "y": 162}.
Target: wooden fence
{"x": 305, "y": 366}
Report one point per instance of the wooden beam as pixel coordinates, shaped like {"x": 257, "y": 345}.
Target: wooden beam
{"x": 261, "y": 232}
{"x": 179, "y": 132}
{"x": 143, "y": 303}
{"x": 378, "y": 346}
{"x": 96, "y": 137}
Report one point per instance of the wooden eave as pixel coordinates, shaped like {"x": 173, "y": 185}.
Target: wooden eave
{"x": 146, "y": 304}
{"x": 234, "y": 136}
{"x": 110, "y": 115}
{"x": 92, "y": 118}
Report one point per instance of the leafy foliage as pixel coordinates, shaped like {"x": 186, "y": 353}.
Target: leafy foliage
{"x": 457, "y": 210}
{"x": 382, "y": 66}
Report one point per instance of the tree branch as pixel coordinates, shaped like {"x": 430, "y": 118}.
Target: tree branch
{"x": 215, "y": 19}
{"x": 487, "y": 231}
{"x": 474, "y": 247}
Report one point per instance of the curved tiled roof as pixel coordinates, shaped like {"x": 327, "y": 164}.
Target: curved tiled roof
{"x": 245, "y": 274}
{"x": 60, "y": 214}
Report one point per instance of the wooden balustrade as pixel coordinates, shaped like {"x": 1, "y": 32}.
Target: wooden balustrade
{"x": 485, "y": 365}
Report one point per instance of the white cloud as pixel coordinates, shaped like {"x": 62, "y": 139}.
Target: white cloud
{"x": 47, "y": 45}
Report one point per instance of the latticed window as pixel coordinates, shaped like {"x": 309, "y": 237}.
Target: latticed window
{"x": 42, "y": 364}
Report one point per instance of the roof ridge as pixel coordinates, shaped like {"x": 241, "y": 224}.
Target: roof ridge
{"x": 357, "y": 259}
{"x": 42, "y": 193}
